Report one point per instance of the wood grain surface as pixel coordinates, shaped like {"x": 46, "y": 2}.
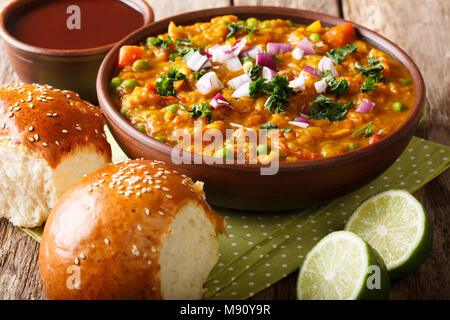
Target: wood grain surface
{"x": 420, "y": 27}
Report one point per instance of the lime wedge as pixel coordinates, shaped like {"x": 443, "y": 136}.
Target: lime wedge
{"x": 396, "y": 225}
{"x": 342, "y": 266}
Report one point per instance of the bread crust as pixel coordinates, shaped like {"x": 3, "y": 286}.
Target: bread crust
{"x": 50, "y": 122}
{"x": 109, "y": 227}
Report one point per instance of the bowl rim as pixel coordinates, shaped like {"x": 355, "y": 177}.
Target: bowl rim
{"x": 140, "y": 5}
{"x": 107, "y": 68}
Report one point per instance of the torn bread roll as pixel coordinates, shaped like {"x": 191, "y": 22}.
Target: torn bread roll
{"x": 133, "y": 230}
{"x": 49, "y": 139}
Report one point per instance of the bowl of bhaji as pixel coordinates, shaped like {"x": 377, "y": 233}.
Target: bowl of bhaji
{"x": 273, "y": 108}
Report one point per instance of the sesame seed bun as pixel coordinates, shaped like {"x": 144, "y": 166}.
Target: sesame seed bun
{"x": 134, "y": 230}
{"x": 49, "y": 139}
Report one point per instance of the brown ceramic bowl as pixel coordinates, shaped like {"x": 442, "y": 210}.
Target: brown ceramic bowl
{"x": 75, "y": 70}
{"x": 298, "y": 184}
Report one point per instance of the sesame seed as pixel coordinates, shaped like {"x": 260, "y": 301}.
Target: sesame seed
{"x": 45, "y": 144}
{"x": 31, "y": 139}
{"x": 165, "y": 189}
{"x": 55, "y": 115}
{"x": 139, "y": 227}
{"x": 77, "y": 261}
{"x": 168, "y": 196}
{"x": 161, "y": 213}
{"x": 17, "y": 108}
{"x": 64, "y": 131}
{"x": 149, "y": 262}
{"x": 36, "y": 137}
{"x": 31, "y": 105}
{"x": 107, "y": 241}
{"x": 147, "y": 211}
{"x": 153, "y": 249}
{"x": 135, "y": 250}
{"x": 10, "y": 114}
{"x": 82, "y": 256}
{"x": 57, "y": 143}
{"x": 31, "y": 128}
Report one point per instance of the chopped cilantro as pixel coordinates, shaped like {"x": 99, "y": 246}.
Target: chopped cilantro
{"x": 326, "y": 109}
{"x": 255, "y": 72}
{"x": 368, "y": 85}
{"x": 158, "y": 42}
{"x": 184, "y": 42}
{"x": 198, "y": 75}
{"x": 164, "y": 84}
{"x": 201, "y": 110}
{"x": 257, "y": 87}
{"x": 374, "y": 71}
{"x": 286, "y": 130}
{"x": 368, "y": 131}
{"x": 338, "y": 55}
{"x": 337, "y": 87}
{"x": 234, "y": 28}
{"x": 278, "y": 91}
{"x": 269, "y": 126}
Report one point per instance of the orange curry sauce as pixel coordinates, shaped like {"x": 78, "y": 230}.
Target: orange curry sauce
{"x": 362, "y": 74}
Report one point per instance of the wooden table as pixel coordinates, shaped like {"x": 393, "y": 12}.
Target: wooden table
{"x": 418, "y": 26}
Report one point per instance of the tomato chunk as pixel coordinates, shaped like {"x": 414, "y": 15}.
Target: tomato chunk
{"x": 340, "y": 35}
{"x": 129, "y": 54}
{"x": 374, "y": 139}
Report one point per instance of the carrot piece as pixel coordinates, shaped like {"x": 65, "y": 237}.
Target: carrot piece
{"x": 177, "y": 84}
{"x": 129, "y": 54}
{"x": 152, "y": 88}
{"x": 340, "y": 35}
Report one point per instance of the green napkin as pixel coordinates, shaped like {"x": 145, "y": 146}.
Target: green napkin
{"x": 263, "y": 248}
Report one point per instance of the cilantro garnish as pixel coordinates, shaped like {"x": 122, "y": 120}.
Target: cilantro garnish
{"x": 326, "y": 109}
{"x": 184, "y": 42}
{"x": 374, "y": 71}
{"x": 201, "y": 110}
{"x": 337, "y": 87}
{"x": 234, "y": 28}
{"x": 368, "y": 131}
{"x": 184, "y": 47}
{"x": 255, "y": 72}
{"x": 164, "y": 84}
{"x": 198, "y": 75}
{"x": 158, "y": 42}
{"x": 286, "y": 130}
{"x": 268, "y": 126}
{"x": 338, "y": 55}
{"x": 278, "y": 91}
{"x": 368, "y": 85}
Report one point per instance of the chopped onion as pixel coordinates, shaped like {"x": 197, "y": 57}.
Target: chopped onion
{"x": 238, "y": 46}
{"x": 298, "y": 53}
{"x": 268, "y": 73}
{"x": 219, "y": 101}
{"x": 313, "y": 71}
{"x": 266, "y": 60}
{"x": 234, "y": 64}
{"x": 242, "y": 91}
{"x": 207, "y": 64}
{"x": 319, "y": 44}
{"x": 208, "y": 83}
{"x": 306, "y": 46}
{"x": 321, "y": 86}
{"x": 196, "y": 61}
{"x": 251, "y": 52}
{"x": 327, "y": 64}
{"x": 239, "y": 81}
{"x": 222, "y": 53}
{"x": 300, "y": 124}
{"x": 304, "y": 115}
{"x": 365, "y": 106}
{"x": 298, "y": 83}
{"x": 301, "y": 119}
{"x": 275, "y": 48}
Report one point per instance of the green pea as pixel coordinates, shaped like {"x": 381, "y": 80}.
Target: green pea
{"x": 172, "y": 108}
{"x": 263, "y": 149}
{"x": 140, "y": 65}
{"x": 315, "y": 37}
{"x": 252, "y": 22}
{"x": 265, "y": 24}
{"x": 405, "y": 81}
{"x": 247, "y": 59}
{"x": 123, "y": 112}
{"x": 141, "y": 128}
{"x": 160, "y": 139}
{"x": 352, "y": 146}
{"x": 129, "y": 84}
{"x": 115, "y": 82}
{"x": 398, "y": 106}
{"x": 224, "y": 153}
{"x": 225, "y": 23}
{"x": 289, "y": 23}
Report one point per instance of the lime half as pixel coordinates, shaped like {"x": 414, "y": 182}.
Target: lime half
{"x": 397, "y": 226}
{"x": 342, "y": 266}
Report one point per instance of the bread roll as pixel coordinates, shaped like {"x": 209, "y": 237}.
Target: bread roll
{"x": 134, "y": 230}
{"x": 48, "y": 140}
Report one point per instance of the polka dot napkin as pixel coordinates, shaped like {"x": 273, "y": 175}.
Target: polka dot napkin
{"x": 263, "y": 248}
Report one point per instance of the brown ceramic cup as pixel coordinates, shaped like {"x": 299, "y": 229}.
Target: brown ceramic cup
{"x": 75, "y": 70}
{"x": 297, "y": 184}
